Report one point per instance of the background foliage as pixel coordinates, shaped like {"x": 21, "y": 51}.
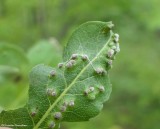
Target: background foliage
{"x": 35, "y": 31}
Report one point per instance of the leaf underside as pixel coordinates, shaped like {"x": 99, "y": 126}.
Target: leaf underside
{"x": 76, "y": 89}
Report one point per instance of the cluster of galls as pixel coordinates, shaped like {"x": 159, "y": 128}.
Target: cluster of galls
{"x": 112, "y": 50}
{"x": 57, "y": 116}
{"x": 52, "y": 92}
{"x": 114, "y": 46}
{"x": 72, "y": 61}
{"x": 91, "y": 92}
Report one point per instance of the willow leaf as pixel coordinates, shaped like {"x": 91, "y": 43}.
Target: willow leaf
{"x": 76, "y": 89}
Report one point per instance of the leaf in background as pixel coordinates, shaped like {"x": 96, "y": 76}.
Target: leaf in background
{"x": 12, "y": 55}
{"x": 77, "y": 89}
{"x": 13, "y": 61}
{"x": 47, "y": 52}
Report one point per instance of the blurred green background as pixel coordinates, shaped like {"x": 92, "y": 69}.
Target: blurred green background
{"x": 35, "y": 31}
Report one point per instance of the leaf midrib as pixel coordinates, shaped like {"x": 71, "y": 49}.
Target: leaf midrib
{"x": 73, "y": 82}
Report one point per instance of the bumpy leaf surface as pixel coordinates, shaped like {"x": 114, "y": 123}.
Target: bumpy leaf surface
{"x": 76, "y": 89}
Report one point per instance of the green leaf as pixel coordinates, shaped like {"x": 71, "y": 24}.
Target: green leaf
{"x": 76, "y": 89}
{"x": 46, "y": 52}
{"x": 13, "y": 63}
{"x": 12, "y": 60}
{"x": 12, "y": 55}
